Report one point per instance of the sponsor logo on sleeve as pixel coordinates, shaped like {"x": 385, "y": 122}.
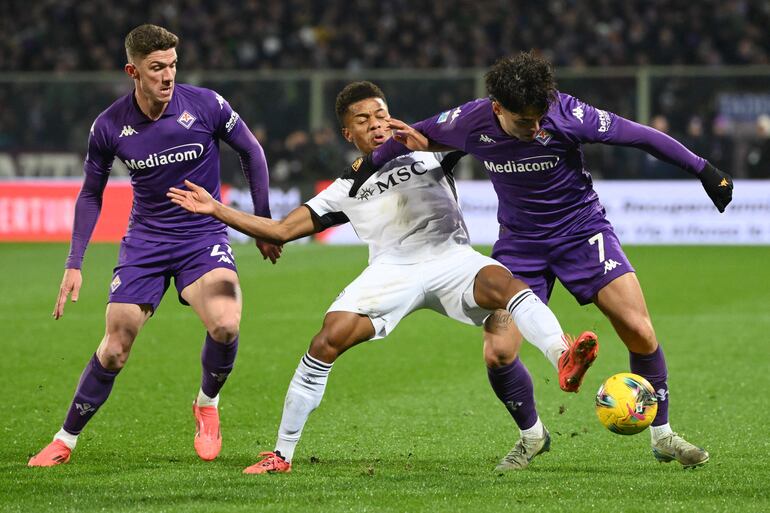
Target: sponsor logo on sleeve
{"x": 220, "y": 100}
{"x": 443, "y": 117}
{"x": 231, "y": 122}
{"x": 186, "y": 119}
{"x": 455, "y": 114}
{"x": 604, "y": 120}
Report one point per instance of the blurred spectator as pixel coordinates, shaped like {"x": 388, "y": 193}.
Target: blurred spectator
{"x": 290, "y": 34}
{"x": 63, "y": 36}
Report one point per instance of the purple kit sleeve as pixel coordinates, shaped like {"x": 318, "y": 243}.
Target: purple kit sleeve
{"x": 583, "y": 123}
{"x": 657, "y": 144}
{"x": 449, "y": 128}
{"x": 97, "y": 168}
{"x": 231, "y": 129}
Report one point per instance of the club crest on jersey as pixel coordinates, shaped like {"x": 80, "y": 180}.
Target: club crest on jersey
{"x": 186, "y": 119}
{"x": 543, "y": 137}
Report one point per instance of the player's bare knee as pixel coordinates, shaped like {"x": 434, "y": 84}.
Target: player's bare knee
{"x": 324, "y": 347}
{"x": 225, "y": 330}
{"x": 113, "y": 352}
{"x": 496, "y": 356}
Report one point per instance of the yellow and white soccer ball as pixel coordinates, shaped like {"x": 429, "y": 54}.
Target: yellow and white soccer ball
{"x": 626, "y": 403}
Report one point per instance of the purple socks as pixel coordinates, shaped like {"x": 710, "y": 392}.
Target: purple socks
{"x": 217, "y": 360}
{"x": 513, "y": 386}
{"x": 652, "y": 367}
{"x": 93, "y": 389}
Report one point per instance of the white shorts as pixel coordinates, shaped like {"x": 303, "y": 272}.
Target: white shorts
{"x": 387, "y": 293}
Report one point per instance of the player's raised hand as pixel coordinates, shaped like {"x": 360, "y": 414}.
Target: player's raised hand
{"x": 718, "y": 185}
{"x": 408, "y": 136}
{"x": 269, "y": 250}
{"x": 196, "y": 200}
{"x": 70, "y": 284}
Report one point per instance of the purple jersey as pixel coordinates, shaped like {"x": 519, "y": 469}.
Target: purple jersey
{"x": 543, "y": 186}
{"x": 182, "y": 144}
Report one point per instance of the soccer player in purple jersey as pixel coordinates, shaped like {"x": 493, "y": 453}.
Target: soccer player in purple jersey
{"x": 528, "y": 135}
{"x": 165, "y": 133}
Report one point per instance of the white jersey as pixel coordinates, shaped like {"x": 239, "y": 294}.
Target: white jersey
{"x": 407, "y": 212}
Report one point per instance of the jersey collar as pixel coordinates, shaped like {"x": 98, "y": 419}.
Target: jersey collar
{"x": 171, "y": 110}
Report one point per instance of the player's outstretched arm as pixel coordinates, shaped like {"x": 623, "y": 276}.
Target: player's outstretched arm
{"x": 70, "y": 284}
{"x": 413, "y": 138}
{"x": 299, "y": 223}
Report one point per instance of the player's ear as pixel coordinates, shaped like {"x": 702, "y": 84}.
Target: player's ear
{"x": 347, "y": 135}
{"x": 131, "y": 71}
{"x": 496, "y": 108}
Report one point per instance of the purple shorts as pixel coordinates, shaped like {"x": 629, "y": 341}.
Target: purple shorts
{"x": 584, "y": 263}
{"x": 145, "y": 268}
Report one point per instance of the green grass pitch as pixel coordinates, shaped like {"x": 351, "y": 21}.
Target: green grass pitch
{"x": 408, "y": 424}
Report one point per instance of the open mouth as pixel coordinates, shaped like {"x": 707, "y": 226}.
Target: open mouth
{"x": 166, "y": 89}
{"x": 379, "y": 139}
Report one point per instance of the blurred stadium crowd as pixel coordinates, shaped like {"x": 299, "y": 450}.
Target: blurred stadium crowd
{"x": 67, "y": 36}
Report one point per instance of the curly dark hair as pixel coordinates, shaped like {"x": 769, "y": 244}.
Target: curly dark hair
{"x": 145, "y": 39}
{"x": 355, "y": 92}
{"x": 522, "y": 81}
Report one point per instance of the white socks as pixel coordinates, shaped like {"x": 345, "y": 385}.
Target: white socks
{"x": 536, "y": 431}
{"x": 204, "y": 400}
{"x": 658, "y": 432}
{"x": 306, "y": 390}
{"x": 69, "y": 439}
{"x": 538, "y": 324}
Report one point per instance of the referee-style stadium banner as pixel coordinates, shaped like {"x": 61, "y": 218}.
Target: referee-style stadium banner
{"x": 643, "y": 212}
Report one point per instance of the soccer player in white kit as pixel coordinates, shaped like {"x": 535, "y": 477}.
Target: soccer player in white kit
{"x": 419, "y": 257}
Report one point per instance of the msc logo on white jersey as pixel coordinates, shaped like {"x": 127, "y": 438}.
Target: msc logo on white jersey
{"x": 609, "y": 265}
{"x": 127, "y": 130}
{"x": 186, "y": 119}
{"x": 181, "y": 153}
{"x": 578, "y": 113}
{"x": 486, "y": 139}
